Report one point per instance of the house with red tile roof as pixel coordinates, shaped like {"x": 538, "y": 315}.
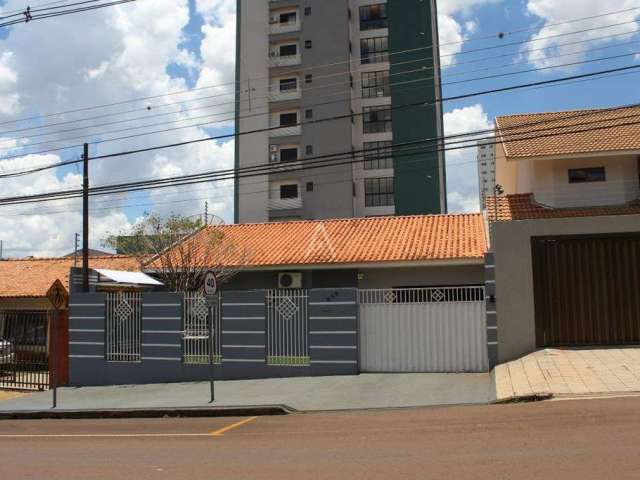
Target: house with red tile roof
{"x": 376, "y": 252}
{"x": 565, "y": 232}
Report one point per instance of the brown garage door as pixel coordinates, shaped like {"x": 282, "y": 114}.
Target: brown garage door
{"x": 587, "y": 290}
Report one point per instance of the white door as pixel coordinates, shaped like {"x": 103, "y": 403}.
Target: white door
{"x": 423, "y": 330}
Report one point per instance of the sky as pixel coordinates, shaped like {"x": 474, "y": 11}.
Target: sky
{"x": 165, "y": 66}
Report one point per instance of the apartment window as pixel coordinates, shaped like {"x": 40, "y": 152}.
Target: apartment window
{"x": 376, "y": 119}
{"x": 289, "y": 191}
{"x": 584, "y": 175}
{"x": 309, "y": 186}
{"x": 289, "y": 17}
{"x": 288, "y": 119}
{"x": 288, "y": 84}
{"x": 378, "y": 192}
{"x": 377, "y": 155}
{"x": 288, "y": 50}
{"x": 375, "y": 84}
{"x": 308, "y": 44}
{"x": 374, "y": 16}
{"x": 307, "y": 11}
{"x": 309, "y": 149}
{"x": 288, "y": 154}
{"x": 374, "y": 50}
{"x": 308, "y": 78}
{"x": 308, "y": 114}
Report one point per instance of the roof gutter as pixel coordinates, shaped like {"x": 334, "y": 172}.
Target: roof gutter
{"x": 370, "y": 265}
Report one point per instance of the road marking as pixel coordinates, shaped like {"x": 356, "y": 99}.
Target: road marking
{"x": 216, "y": 433}
{"x": 103, "y": 435}
{"x": 222, "y": 431}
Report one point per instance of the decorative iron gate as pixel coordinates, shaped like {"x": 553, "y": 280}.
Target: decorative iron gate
{"x": 24, "y": 356}
{"x": 199, "y": 316}
{"x": 287, "y": 328}
{"x": 123, "y": 326}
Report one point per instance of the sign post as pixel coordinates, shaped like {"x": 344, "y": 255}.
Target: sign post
{"x": 59, "y": 298}
{"x": 210, "y": 289}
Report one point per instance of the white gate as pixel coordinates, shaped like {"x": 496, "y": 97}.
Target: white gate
{"x": 287, "y": 328}
{"x": 423, "y": 330}
{"x": 198, "y": 317}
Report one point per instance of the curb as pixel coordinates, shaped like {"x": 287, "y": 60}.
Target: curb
{"x": 193, "y": 412}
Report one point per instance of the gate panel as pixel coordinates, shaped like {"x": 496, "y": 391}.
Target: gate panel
{"x": 198, "y": 317}
{"x": 586, "y": 290}
{"x": 123, "y": 326}
{"x": 287, "y": 328}
{"x": 423, "y": 330}
{"x": 24, "y": 356}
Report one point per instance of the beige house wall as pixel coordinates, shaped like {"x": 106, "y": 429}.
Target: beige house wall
{"x": 515, "y": 306}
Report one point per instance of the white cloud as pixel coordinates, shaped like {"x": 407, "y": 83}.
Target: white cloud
{"x": 462, "y": 173}
{"x": 558, "y": 11}
{"x": 9, "y": 98}
{"x": 125, "y": 53}
{"x": 451, "y": 32}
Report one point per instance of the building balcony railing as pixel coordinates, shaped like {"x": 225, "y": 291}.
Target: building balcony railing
{"x": 275, "y": 28}
{"x": 277, "y": 95}
{"x": 285, "y": 131}
{"x": 284, "y": 61}
{"x": 285, "y": 203}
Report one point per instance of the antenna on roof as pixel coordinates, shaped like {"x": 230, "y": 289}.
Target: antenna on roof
{"x": 0, "y": 249}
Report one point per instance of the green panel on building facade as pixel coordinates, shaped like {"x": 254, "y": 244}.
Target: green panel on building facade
{"x": 417, "y": 175}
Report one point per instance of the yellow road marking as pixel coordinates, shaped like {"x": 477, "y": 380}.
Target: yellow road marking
{"x": 222, "y": 431}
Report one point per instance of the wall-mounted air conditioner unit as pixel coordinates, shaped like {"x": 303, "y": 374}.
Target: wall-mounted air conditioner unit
{"x": 290, "y": 280}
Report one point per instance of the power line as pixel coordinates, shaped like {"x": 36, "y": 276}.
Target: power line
{"x": 30, "y": 15}
{"x": 219, "y": 176}
{"x": 300, "y": 70}
{"x": 182, "y": 111}
{"x": 334, "y": 118}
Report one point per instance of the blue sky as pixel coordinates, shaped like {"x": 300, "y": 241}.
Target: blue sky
{"x": 149, "y": 49}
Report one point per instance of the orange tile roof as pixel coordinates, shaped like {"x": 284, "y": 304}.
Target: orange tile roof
{"x": 346, "y": 241}
{"x": 581, "y": 131}
{"x": 523, "y": 206}
{"x": 33, "y": 277}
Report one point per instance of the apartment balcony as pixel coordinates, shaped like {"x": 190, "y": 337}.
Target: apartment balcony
{"x": 285, "y": 203}
{"x": 284, "y": 61}
{"x": 287, "y": 27}
{"x": 278, "y": 95}
{"x": 285, "y": 131}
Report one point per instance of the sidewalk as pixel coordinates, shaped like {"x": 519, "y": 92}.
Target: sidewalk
{"x": 566, "y": 373}
{"x": 304, "y": 394}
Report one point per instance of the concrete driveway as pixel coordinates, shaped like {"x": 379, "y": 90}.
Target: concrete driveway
{"x": 569, "y": 373}
{"x": 304, "y": 394}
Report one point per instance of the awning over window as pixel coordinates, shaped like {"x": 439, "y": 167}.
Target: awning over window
{"x": 129, "y": 278}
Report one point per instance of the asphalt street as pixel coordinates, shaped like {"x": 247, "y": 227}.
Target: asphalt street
{"x": 571, "y": 439}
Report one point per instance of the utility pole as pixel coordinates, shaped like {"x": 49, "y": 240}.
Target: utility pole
{"x": 85, "y": 219}
{"x": 206, "y": 213}
{"x": 76, "y": 244}
{"x": 0, "y": 249}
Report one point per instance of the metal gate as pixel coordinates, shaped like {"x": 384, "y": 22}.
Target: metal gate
{"x": 586, "y": 290}
{"x": 123, "y": 326}
{"x": 24, "y": 356}
{"x": 199, "y": 316}
{"x": 423, "y": 330}
{"x": 287, "y": 328}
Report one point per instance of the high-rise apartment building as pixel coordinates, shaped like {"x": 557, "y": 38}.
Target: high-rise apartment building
{"x": 316, "y": 78}
{"x": 486, "y": 157}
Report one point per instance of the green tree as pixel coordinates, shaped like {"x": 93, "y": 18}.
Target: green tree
{"x": 179, "y": 250}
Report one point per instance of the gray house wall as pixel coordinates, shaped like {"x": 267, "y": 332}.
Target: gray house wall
{"x": 511, "y": 244}
{"x": 333, "y": 340}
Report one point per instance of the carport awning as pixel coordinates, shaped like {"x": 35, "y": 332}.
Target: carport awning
{"x": 129, "y": 278}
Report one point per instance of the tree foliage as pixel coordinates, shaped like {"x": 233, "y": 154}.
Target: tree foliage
{"x": 179, "y": 251}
